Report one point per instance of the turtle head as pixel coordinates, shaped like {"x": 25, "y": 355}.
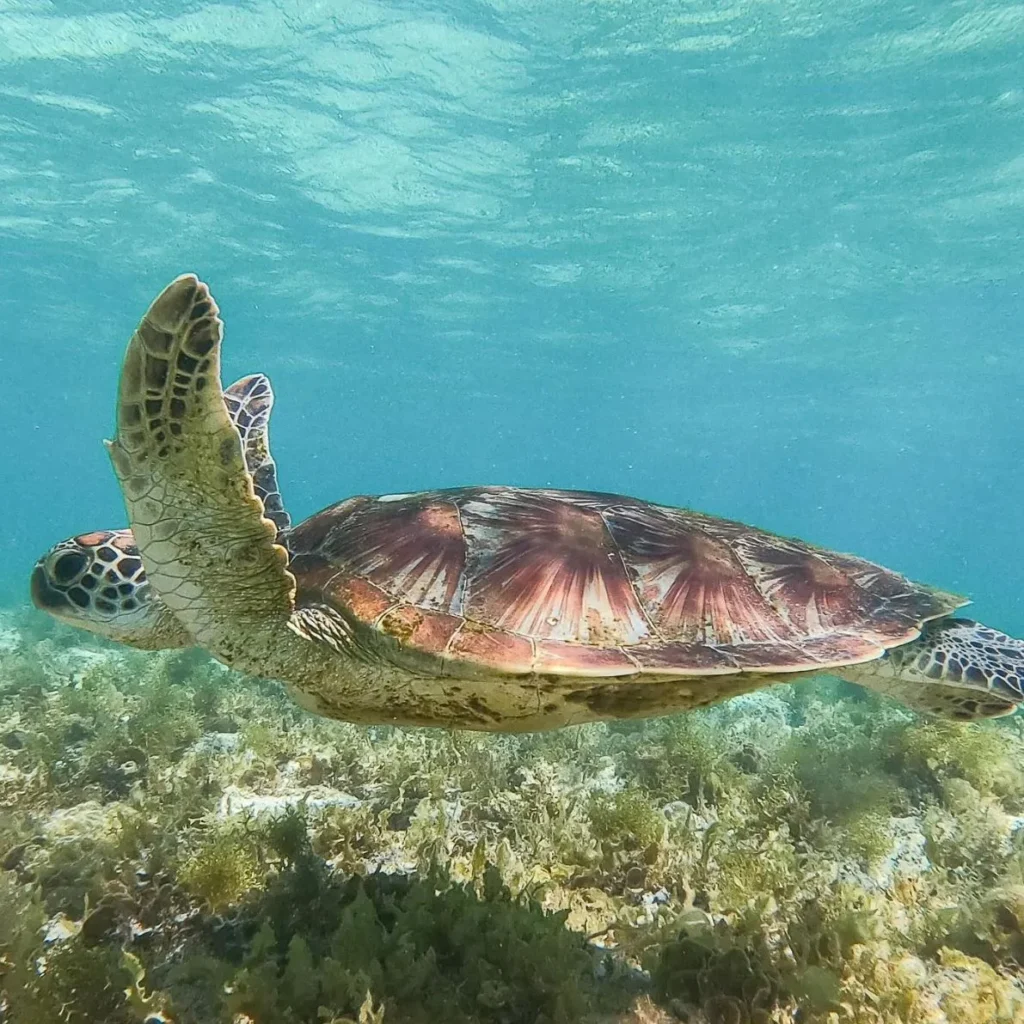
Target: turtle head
{"x": 96, "y": 581}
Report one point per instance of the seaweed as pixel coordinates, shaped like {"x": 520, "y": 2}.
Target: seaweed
{"x": 222, "y": 868}
{"x": 179, "y": 843}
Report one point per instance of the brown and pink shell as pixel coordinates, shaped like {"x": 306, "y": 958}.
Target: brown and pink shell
{"x": 571, "y": 583}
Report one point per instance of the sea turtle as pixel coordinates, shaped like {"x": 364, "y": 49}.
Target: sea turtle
{"x": 490, "y": 608}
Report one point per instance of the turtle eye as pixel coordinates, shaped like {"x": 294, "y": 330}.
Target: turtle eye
{"x": 68, "y": 567}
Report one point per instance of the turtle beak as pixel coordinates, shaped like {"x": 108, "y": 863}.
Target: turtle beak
{"x": 44, "y": 597}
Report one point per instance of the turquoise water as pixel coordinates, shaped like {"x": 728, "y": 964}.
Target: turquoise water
{"x": 762, "y": 259}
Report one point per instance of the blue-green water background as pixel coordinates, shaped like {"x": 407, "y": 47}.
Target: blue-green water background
{"x": 760, "y": 258}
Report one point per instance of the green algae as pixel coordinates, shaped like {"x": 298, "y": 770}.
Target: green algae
{"x": 223, "y": 868}
{"x": 626, "y": 819}
{"x": 177, "y": 843}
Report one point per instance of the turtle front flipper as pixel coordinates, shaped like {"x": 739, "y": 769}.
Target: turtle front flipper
{"x": 207, "y": 546}
{"x": 250, "y": 402}
{"x": 955, "y": 669}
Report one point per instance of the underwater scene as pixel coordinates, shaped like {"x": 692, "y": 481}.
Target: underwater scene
{"x": 620, "y": 621}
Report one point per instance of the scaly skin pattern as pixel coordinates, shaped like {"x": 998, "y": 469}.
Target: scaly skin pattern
{"x": 97, "y": 581}
{"x": 956, "y": 669}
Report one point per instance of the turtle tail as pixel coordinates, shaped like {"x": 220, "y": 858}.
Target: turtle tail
{"x": 955, "y": 669}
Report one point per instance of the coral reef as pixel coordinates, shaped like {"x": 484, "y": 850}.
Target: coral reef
{"x": 181, "y": 844}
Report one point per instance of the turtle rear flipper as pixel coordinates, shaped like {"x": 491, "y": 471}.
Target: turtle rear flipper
{"x": 956, "y": 669}
{"x": 208, "y": 549}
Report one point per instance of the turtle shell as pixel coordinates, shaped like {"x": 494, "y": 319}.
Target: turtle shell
{"x": 568, "y": 583}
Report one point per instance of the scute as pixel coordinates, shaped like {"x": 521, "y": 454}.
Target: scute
{"x": 568, "y": 583}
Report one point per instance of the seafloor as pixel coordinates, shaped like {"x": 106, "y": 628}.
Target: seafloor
{"x": 179, "y": 843}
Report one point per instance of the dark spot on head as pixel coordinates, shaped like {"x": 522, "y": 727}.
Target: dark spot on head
{"x": 129, "y": 604}
{"x": 110, "y": 592}
{"x": 177, "y": 408}
{"x": 154, "y": 406}
{"x": 125, "y": 589}
{"x": 112, "y": 576}
{"x": 175, "y": 429}
{"x": 200, "y": 383}
{"x": 78, "y": 596}
{"x": 106, "y": 554}
{"x": 105, "y": 606}
{"x": 89, "y": 582}
{"x": 201, "y": 346}
{"x": 201, "y": 309}
{"x": 129, "y": 566}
